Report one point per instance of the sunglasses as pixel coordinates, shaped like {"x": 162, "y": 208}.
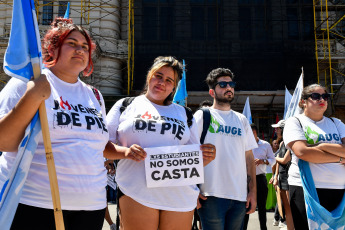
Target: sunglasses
{"x": 223, "y": 84}
{"x": 317, "y": 96}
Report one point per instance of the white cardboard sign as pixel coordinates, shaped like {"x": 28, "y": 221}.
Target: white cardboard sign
{"x": 174, "y": 166}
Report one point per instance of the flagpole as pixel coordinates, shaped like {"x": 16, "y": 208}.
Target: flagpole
{"x": 59, "y": 223}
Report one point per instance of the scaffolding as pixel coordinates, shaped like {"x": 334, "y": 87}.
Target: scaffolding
{"x": 84, "y": 9}
{"x": 130, "y": 65}
{"x": 329, "y": 31}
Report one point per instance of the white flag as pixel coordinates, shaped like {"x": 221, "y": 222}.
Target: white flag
{"x": 294, "y": 109}
{"x": 288, "y": 97}
{"x": 246, "y": 111}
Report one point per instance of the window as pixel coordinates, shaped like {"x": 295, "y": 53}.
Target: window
{"x": 308, "y": 25}
{"x": 255, "y": 20}
{"x": 245, "y": 23}
{"x": 197, "y": 23}
{"x": 62, "y": 8}
{"x": 150, "y": 25}
{"x": 47, "y": 14}
{"x": 158, "y": 20}
{"x": 166, "y": 23}
{"x": 293, "y": 27}
{"x": 206, "y": 23}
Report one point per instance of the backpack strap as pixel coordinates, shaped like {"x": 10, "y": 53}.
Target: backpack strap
{"x": 332, "y": 119}
{"x": 126, "y": 102}
{"x": 96, "y": 93}
{"x": 189, "y": 115}
{"x": 299, "y": 122}
{"x": 206, "y": 123}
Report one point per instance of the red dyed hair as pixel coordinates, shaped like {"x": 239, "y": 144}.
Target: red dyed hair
{"x": 54, "y": 38}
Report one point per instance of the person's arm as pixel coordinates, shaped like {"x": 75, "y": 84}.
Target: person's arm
{"x": 14, "y": 123}
{"x": 251, "y": 175}
{"x": 273, "y": 173}
{"x": 275, "y": 177}
{"x": 116, "y": 152}
{"x": 271, "y": 160}
{"x": 312, "y": 154}
{"x": 286, "y": 159}
{"x": 335, "y": 149}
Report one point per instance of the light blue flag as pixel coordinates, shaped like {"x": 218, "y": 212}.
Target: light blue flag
{"x": 22, "y": 54}
{"x": 319, "y": 218}
{"x": 246, "y": 111}
{"x": 294, "y": 109}
{"x": 181, "y": 95}
{"x": 288, "y": 97}
{"x": 67, "y": 11}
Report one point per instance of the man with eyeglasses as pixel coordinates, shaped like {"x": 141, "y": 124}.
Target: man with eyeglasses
{"x": 224, "y": 197}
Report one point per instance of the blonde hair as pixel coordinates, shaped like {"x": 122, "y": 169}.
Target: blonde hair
{"x": 158, "y": 63}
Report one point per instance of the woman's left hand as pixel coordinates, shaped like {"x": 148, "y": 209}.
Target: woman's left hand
{"x": 208, "y": 153}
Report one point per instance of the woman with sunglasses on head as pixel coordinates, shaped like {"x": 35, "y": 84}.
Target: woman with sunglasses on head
{"x": 319, "y": 141}
{"x": 77, "y": 132}
{"x": 160, "y": 207}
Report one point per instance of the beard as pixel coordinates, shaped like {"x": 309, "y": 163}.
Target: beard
{"x": 223, "y": 100}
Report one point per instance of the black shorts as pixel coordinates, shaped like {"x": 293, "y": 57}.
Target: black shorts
{"x": 34, "y": 218}
{"x": 283, "y": 181}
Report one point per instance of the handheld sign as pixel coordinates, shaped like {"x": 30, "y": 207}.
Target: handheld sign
{"x": 174, "y": 166}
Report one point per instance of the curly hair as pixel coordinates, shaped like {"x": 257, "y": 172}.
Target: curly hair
{"x": 212, "y": 77}
{"x": 54, "y": 38}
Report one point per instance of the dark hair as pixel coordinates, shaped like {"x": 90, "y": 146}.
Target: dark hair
{"x": 212, "y": 77}
{"x": 205, "y": 103}
{"x": 254, "y": 127}
{"x": 158, "y": 63}
{"x": 54, "y": 38}
{"x": 307, "y": 91}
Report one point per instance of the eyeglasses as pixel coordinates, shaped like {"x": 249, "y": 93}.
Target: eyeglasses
{"x": 223, "y": 84}
{"x": 317, "y": 96}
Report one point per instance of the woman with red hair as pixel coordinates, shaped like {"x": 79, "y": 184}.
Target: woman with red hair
{"x": 76, "y": 120}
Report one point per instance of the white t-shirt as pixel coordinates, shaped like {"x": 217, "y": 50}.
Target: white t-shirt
{"x": 230, "y": 132}
{"x": 78, "y": 136}
{"x": 264, "y": 151}
{"x": 151, "y": 125}
{"x": 326, "y": 175}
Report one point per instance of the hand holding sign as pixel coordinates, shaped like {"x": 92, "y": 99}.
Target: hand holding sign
{"x": 208, "y": 153}
{"x": 174, "y": 166}
{"x": 136, "y": 153}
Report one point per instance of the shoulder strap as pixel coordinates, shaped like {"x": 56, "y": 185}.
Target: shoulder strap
{"x": 126, "y": 102}
{"x": 96, "y": 93}
{"x": 206, "y": 123}
{"x": 299, "y": 122}
{"x": 189, "y": 115}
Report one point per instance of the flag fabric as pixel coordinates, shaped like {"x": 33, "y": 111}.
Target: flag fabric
{"x": 22, "y": 54}
{"x": 24, "y": 46}
{"x": 294, "y": 109}
{"x": 181, "y": 95}
{"x": 11, "y": 190}
{"x": 246, "y": 111}
{"x": 318, "y": 216}
{"x": 67, "y": 11}
{"x": 288, "y": 97}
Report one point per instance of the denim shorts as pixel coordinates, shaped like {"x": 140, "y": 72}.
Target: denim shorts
{"x": 222, "y": 214}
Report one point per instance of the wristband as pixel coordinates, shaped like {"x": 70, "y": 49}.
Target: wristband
{"x": 340, "y": 160}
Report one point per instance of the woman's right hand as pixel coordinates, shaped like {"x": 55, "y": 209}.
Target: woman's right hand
{"x": 20, "y": 116}
{"x": 275, "y": 182}
{"x": 39, "y": 89}
{"x": 136, "y": 153}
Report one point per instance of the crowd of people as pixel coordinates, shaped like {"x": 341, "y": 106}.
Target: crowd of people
{"x": 85, "y": 141}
